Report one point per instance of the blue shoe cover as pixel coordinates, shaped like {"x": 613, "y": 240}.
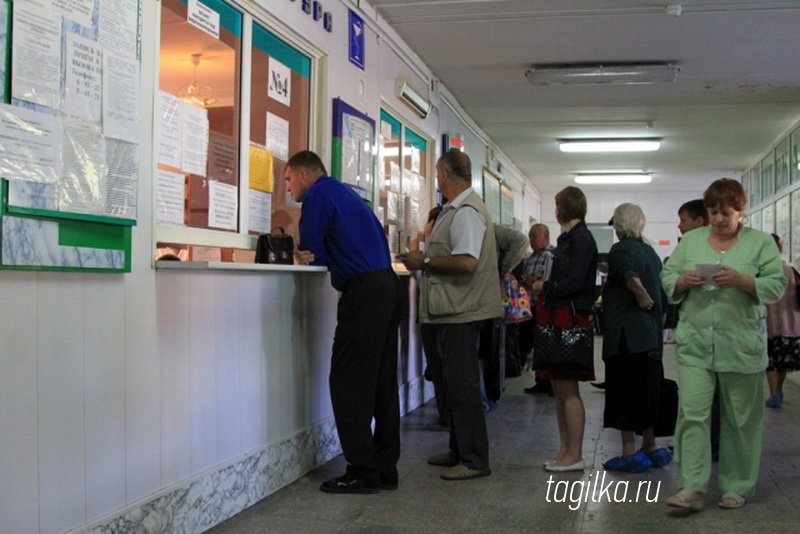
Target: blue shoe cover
{"x": 660, "y": 457}
{"x": 635, "y": 463}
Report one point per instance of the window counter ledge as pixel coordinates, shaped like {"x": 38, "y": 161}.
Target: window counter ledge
{"x": 234, "y": 266}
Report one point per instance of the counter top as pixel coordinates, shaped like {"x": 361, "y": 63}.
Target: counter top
{"x": 234, "y": 266}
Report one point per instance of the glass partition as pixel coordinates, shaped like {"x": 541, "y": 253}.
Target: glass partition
{"x": 279, "y": 117}
{"x": 403, "y": 185}
{"x": 767, "y": 176}
{"x": 197, "y": 183}
{"x": 782, "y": 167}
{"x": 208, "y": 199}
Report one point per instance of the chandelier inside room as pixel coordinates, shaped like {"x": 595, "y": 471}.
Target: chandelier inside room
{"x": 193, "y": 92}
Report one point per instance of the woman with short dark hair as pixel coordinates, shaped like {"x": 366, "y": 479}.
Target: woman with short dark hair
{"x": 566, "y": 298}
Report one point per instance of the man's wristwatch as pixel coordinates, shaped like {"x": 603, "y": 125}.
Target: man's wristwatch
{"x": 426, "y": 264}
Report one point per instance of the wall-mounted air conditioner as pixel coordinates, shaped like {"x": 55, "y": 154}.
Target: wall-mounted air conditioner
{"x": 412, "y": 98}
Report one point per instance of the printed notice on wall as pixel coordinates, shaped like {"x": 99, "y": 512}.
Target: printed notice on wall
{"x": 117, "y": 26}
{"x": 83, "y": 167}
{"x": 386, "y": 129}
{"x": 169, "y": 196}
{"x": 36, "y": 55}
{"x": 120, "y": 97}
{"x": 30, "y": 144}
{"x": 351, "y": 160}
{"x": 203, "y": 17}
{"x": 395, "y": 183}
{"x": 194, "y": 135}
{"x": 169, "y": 130}
{"x": 222, "y": 158}
{"x": 278, "y": 136}
{"x": 415, "y": 159}
{"x": 260, "y": 211}
{"x": 261, "y": 177}
{"x": 279, "y": 82}
{"x": 222, "y": 205}
{"x": 122, "y": 159}
{"x": 79, "y": 11}
{"x": 82, "y": 90}
{"x": 357, "y": 135}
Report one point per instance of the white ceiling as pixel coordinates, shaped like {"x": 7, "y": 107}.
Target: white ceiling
{"x": 738, "y": 88}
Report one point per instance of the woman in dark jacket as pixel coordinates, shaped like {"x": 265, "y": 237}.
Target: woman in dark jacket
{"x": 570, "y": 287}
{"x": 632, "y": 342}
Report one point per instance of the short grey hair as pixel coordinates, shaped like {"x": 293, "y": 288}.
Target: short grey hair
{"x": 540, "y": 228}
{"x": 457, "y": 164}
{"x": 629, "y": 220}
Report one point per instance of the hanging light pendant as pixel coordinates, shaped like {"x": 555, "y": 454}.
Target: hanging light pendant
{"x": 194, "y": 93}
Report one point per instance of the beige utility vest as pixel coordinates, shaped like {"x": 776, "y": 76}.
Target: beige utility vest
{"x": 461, "y": 298}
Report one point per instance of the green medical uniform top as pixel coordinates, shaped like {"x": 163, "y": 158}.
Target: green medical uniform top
{"x": 724, "y": 330}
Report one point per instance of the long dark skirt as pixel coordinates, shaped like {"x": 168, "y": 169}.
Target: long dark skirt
{"x": 633, "y": 382}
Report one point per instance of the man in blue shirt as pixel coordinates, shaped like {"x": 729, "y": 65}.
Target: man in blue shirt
{"x": 339, "y": 230}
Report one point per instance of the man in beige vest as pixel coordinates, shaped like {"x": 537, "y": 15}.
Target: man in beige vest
{"x": 459, "y": 290}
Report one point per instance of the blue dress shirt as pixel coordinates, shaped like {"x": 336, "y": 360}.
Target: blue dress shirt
{"x": 341, "y": 230}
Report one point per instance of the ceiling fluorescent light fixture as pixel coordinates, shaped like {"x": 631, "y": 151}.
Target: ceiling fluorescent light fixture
{"x": 612, "y": 73}
{"x": 609, "y": 145}
{"x": 417, "y": 102}
{"x": 613, "y": 178}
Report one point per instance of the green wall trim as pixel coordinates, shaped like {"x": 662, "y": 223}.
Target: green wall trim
{"x": 416, "y": 140}
{"x": 91, "y": 235}
{"x": 62, "y": 215}
{"x": 266, "y": 42}
{"x": 396, "y": 124}
{"x": 336, "y": 159}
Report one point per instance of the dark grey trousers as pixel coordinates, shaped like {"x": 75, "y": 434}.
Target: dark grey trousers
{"x": 459, "y": 349}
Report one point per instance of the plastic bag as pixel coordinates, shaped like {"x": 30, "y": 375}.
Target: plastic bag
{"x": 516, "y": 303}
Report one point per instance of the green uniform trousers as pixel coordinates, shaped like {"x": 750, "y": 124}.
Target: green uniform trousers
{"x": 742, "y": 415}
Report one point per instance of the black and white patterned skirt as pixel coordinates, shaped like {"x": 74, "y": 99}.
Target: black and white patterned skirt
{"x": 784, "y": 354}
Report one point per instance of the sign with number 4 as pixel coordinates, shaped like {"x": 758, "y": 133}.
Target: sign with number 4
{"x": 279, "y": 82}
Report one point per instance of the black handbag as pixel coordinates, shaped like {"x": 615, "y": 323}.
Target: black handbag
{"x": 563, "y": 350}
{"x": 667, "y": 409}
{"x": 272, "y": 248}
{"x": 667, "y": 416}
{"x": 671, "y": 316}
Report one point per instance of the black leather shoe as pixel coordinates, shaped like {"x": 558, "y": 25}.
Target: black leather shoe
{"x": 389, "y": 480}
{"x": 347, "y": 483}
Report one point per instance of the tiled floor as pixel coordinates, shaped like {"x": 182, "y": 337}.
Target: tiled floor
{"x": 519, "y": 497}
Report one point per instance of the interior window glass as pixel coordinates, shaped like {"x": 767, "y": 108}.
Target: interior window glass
{"x": 279, "y": 120}
{"x": 198, "y": 131}
{"x": 403, "y": 188}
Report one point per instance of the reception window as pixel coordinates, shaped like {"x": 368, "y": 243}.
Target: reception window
{"x": 225, "y": 129}
{"x": 404, "y": 190}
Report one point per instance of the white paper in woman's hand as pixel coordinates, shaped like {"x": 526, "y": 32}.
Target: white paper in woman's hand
{"x": 707, "y": 270}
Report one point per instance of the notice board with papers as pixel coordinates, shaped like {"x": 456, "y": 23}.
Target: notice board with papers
{"x": 70, "y": 123}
